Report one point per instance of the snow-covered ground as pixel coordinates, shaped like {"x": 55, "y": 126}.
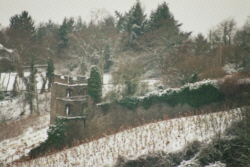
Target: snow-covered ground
{"x": 7, "y": 81}
{"x": 14, "y": 148}
{"x": 151, "y": 84}
{"x": 229, "y": 68}
{"x": 10, "y": 109}
{"x": 168, "y": 136}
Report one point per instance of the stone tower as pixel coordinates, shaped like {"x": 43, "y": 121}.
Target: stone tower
{"x": 68, "y": 98}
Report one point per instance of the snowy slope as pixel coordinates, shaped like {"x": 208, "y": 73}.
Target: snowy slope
{"x": 7, "y": 81}
{"x": 10, "y": 109}
{"x": 14, "y": 148}
{"x": 168, "y": 136}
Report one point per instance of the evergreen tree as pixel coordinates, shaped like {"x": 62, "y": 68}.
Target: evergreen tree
{"x": 95, "y": 84}
{"x": 162, "y": 17}
{"x": 201, "y": 46}
{"x": 107, "y": 58}
{"x": 133, "y": 22}
{"x": 50, "y": 71}
{"x": 63, "y": 32}
{"x": 136, "y": 19}
{"x": 21, "y": 27}
{"x": 30, "y": 83}
{"x": 21, "y": 35}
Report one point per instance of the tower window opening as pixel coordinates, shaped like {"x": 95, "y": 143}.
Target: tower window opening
{"x": 67, "y": 110}
{"x": 69, "y": 92}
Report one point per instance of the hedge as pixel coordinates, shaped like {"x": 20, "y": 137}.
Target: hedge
{"x": 195, "y": 95}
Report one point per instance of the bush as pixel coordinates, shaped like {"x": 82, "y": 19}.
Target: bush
{"x": 105, "y": 107}
{"x": 129, "y": 102}
{"x": 95, "y": 84}
{"x": 206, "y": 94}
{"x": 236, "y": 87}
{"x": 55, "y": 140}
{"x": 233, "y": 149}
{"x": 195, "y": 95}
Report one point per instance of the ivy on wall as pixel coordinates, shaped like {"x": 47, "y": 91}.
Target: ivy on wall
{"x": 195, "y": 95}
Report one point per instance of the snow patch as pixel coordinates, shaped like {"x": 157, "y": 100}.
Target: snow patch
{"x": 168, "y": 136}
{"x": 229, "y": 68}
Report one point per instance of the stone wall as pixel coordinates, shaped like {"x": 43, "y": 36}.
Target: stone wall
{"x": 69, "y": 80}
{"x": 61, "y": 90}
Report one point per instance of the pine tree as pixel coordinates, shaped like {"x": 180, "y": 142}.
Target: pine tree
{"x": 136, "y": 19}
{"x": 201, "y": 46}
{"x": 21, "y": 35}
{"x": 95, "y": 84}
{"x": 63, "y": 32}
{"x": 30, "y": 83}
{"x": 50, "y": 71}
{"x": 107, "y": 58}
{"x": 162, "y": 17}
{"x": 21, "y": 27}
{"x": 133, "y": 22}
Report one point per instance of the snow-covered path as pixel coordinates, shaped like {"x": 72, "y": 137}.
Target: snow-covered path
{"x": 168, "y": 136}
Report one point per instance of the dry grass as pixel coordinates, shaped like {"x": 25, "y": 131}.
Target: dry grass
{"x": 134, "y": 141}
{"x": 18, "y": 127}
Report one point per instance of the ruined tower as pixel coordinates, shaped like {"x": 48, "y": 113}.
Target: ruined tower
{"x": 68, "y": 98}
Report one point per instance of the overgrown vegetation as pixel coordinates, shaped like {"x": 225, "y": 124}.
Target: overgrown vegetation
{"x": 203, "y": 94}
{"x": 230, "y": 148}
{"x": 95, "y": 84}
{"x": 55, "y": 140}
{"x": 233, "y": 147}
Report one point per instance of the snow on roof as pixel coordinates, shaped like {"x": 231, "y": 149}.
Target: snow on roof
{"x": 71, "y": 85}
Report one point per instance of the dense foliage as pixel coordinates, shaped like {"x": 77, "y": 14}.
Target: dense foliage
{"x": 203, "y": 94}
{"x": 95, "y": 84}
{"x": 50, "y": 71}
{"x": 55, "y": 140}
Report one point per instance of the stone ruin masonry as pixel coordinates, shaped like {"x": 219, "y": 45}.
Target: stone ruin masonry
{"x": 69, "y": 98}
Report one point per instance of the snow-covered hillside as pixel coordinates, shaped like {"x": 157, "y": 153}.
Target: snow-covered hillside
{"x": 168, "y": 136}
{"x": 14, "y": 148}
{"x": 11, "y": 109}
{"x": 7, "y": 81}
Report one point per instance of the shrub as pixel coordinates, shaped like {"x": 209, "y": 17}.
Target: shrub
{"x": 129, "y": 102}
{"x": 95, "y": 84}
{"x": 195, "y": 95}
{"x": 105, "y": 107}
{"x": 55, "y": 140}
{"x": 205, "y": 94}
{"x": 236, "y": 87}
